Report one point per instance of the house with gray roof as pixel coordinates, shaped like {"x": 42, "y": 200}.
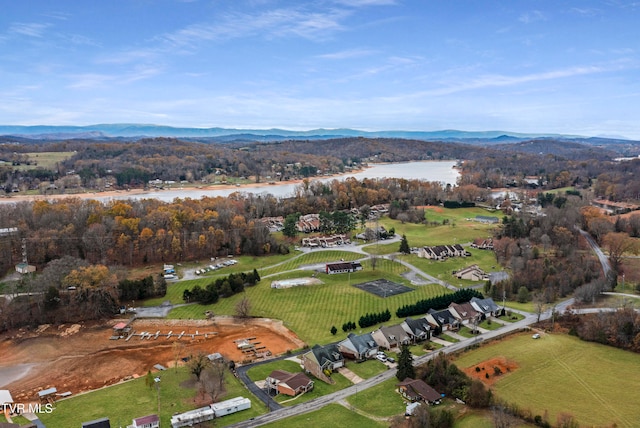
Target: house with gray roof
{"x": 443, "y": 319}
{"x": 321, "y": 361}
{"x": 485, "y": 306}
{"x": 358, "y": 347}
{"x": 418, "y": 329}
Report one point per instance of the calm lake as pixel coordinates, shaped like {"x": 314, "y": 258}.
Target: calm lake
{"x": 441, "y": 171}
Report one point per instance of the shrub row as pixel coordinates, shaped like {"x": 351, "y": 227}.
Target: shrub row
{"x": 373, "y": 319}
{"x": 438, "y": 302}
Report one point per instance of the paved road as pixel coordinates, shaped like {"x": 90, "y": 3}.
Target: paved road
{"x": 604, "y": 261}
{"x": 318, "y": 403}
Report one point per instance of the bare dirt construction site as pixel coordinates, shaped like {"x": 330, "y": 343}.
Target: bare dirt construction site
{"x": 78, "y": 358}
{"x": 495, "y": 368}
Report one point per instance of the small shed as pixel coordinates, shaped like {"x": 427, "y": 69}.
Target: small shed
{"x": 149, "y": 421}
{"x": 97, "y": 423}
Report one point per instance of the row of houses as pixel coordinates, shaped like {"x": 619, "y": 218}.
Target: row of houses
{"x": 442, "y": 252}
{"x": 325, "y": 241}
{"x": 308, "y": 223}
{"x": 321, "y": 361}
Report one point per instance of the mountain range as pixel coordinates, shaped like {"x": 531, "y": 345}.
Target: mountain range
{"x": 135, "y": 131}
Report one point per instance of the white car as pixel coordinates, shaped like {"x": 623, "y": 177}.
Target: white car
{"x": 381, "y": 358}
{"x": 536, "y": 336}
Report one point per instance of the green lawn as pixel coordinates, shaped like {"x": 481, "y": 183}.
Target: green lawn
{"x": 486, "y": 260}
{"x": 320, "y": 388}
{"x": 310, "y": 311}
{"x": 333, "y": 415}
{"x": 448, "y": 338}
{"x": 560, "y": 373}
{"x": 123, "y": 402}
{"x": 369, "y": 368}
{"x": 380, "y": 400}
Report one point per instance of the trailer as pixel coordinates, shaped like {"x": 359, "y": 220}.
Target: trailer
{"x": 228, "y": 407}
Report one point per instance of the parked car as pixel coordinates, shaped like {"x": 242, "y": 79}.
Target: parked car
{"x": 391, "y": 359}
{"x": 381, "y": 358}
{"x": 536, "y": 336}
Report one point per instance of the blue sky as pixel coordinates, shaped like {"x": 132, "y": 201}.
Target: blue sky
{"x": 545, "y": 66}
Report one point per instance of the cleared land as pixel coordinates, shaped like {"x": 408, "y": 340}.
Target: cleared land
{"x": 562, "y": 374}
{"x": 77, "y": 359}
{"x": 45, "y": 160}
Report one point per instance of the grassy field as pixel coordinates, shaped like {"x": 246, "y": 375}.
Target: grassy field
{"x": 459, "y": 229}
{"x": 121, "y": 403}
{"x": 45, "y": 160}
{"x": 560, "y": 373}
{"x": 333, "y": 415}
{"x": 442, "y": 270}
{"x": 310, "y": 311}
{"x": 380, "y": 401}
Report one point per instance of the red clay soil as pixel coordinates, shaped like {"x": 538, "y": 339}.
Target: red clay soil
{"x": 80, "y": 358}
{"x": 488, "y": 366}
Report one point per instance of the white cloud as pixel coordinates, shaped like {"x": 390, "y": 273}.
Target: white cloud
{"x": 347, "y": 54}
{"x": 31, "y": 29}
{"x": 533, "y": 16}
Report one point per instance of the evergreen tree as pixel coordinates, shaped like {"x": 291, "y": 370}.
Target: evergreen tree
{"x": 405, "y": 364}
{"x": 404, "y": 245}
{"x": 289, "y": 228}
{"x": 256, "y": 277}
{"x": 334, "y": 330}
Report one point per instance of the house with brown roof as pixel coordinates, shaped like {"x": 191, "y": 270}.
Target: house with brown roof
{"x": 464, "y": 312}
{"x": 283, "y": 382}
{"x": 418, "y": 390}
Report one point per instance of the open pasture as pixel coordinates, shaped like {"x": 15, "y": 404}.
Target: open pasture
{"x": 44, "y": 160}
{"x": 558, "y": 373}
{"x": 461, "y": 227}
{"x": 311, "y": 311}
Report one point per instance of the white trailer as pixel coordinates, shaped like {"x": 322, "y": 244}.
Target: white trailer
{"x": 228, "y": 407}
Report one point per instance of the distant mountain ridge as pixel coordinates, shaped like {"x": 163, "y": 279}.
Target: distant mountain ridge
{"x": 144, "y": 130}
{"x": 134, "y": 132}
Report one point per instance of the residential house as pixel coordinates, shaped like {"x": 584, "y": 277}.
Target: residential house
{"x": 483, "y": 244}
{"x": 321, "y": 361}
{"x": 472, "y": 273}
{"x": 358, "y": 347}
{"x": 391, "y": 337}
{"x": 418, "y": 329}
{"x": 149, "y": 421}
{"x": 443, "y": 319}
{"x": 232, "y": 405}
{"x": 486, "y": 307}
{"x": 192, "y": 417}
{"x": 283, "y": 382}
{"x": 465, "y": 313}
{"x": 418, "y": 390}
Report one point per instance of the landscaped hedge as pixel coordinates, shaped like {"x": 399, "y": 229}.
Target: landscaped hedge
{"x": 373, "y": 319}
{"x": 456, "y": 204}
{"x": 439, "y": 302}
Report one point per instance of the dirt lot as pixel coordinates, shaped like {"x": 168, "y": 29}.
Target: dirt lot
{"x": 489, "y": 366}
{"x": 78, "y": 358}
